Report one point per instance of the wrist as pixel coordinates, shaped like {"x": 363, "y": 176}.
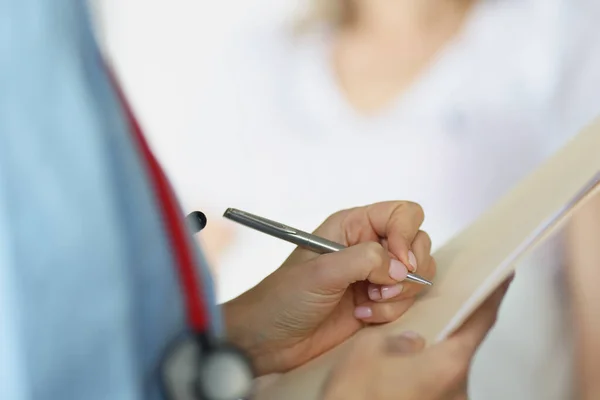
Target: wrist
{"x": 244, "y": 330}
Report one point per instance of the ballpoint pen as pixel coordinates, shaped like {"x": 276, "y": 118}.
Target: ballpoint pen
{"x": 295, "y": 236}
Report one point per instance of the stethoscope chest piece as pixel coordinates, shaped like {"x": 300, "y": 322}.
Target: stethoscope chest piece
{"x": 225, "y": 374}
{"x": 222, "y": 373}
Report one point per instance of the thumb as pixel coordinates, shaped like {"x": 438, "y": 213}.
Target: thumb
{"x": 364, "y": 261}
{"x": 452, "y": 357}
{"x": 473, "y": 332}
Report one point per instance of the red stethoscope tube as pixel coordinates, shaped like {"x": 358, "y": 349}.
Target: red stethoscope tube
{"x": 221, "y": 371}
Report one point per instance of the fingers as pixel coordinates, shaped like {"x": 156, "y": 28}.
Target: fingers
{"x": 403, "y": 290}
{"x": 385, "y": 293}
{"x": 365, "y": 261}
{"x": 450, "y": 360}
{"x": 476, "y": 328}
{"x": 428, "y": 272}
{"x": 371, "y": 262}
{"x": 399, "y": 223}
{"x": 381, "y": 312}
{"x": 420, "y": 250}
{"x": 395, "y": 221}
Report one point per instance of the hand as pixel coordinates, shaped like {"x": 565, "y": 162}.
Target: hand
{"x": 379, "y": 367}
{"x": 314, "y": 302}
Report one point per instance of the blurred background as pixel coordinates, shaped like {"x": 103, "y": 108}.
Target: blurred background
{"x": 295, "y": 109}
{"x": 171, "y": 55}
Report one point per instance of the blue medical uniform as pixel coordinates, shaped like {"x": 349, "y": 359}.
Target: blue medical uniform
{"x": 89, "y": 297}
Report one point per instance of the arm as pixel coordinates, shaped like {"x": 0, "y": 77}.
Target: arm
{"x": 583, "y": 260}
{"x": 576, "y": 103}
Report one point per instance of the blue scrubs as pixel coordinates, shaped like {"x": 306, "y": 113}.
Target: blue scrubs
{"x": 89, "y": 297}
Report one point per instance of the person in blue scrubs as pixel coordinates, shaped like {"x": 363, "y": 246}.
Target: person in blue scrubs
{"x": 89, "y": 294}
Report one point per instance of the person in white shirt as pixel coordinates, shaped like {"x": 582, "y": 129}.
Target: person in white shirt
{"x": 451, "y": 103}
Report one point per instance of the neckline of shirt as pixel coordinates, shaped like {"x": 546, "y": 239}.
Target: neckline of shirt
{"x": 311, "y": 72}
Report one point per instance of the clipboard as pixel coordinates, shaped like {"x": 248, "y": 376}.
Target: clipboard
{"x": 476, "y": 261}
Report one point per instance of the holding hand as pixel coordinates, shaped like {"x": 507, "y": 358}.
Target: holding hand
{"x": 314, "y": 302}
{"x": 378, "y": 367}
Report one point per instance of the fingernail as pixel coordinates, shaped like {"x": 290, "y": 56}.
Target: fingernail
{"x": 398, "y": 271}
{"x": 411, "y": 335}
{"x": 374, "y": 293}
{"x": 412, "y": 260}
{"x": 363, "y": 312}
{"x": 387, "y": 292}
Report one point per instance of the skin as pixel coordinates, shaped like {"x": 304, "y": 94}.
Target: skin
{"x": 314, "y": 302}
{"x": 583, "y": 272}
{"x": 375, "y": 55}
{"x": 399, "y": 368}
{"x": 309, "y": 305}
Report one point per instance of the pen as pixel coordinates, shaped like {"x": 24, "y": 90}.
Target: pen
{"x": 295, "y": 236}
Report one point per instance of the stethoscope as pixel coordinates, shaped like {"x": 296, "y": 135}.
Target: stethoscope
{"x": 212, "y": 369}
{"x": 224, "y": 371}
{"x": 217, "y": 369}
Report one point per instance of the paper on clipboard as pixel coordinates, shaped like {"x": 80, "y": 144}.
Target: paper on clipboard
{"x": 479, "y": 259}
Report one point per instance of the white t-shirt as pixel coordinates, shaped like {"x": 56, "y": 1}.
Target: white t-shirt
{"x": 275, "y": 137}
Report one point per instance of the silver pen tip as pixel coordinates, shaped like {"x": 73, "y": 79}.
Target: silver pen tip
{"x": 418, "y": 279}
